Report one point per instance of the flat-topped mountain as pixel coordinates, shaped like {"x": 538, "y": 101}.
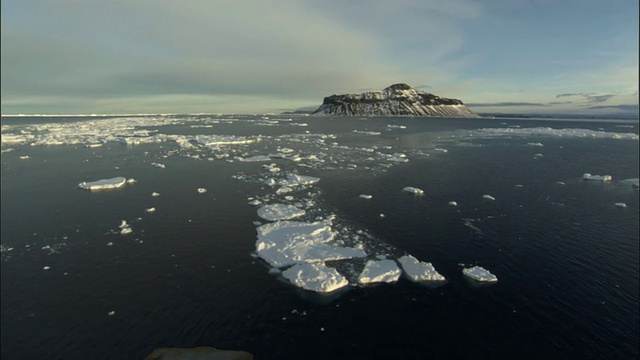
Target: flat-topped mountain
{"x": 395, "y": 100}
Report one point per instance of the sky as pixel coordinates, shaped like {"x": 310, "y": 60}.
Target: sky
{"x": 256, "y": 56}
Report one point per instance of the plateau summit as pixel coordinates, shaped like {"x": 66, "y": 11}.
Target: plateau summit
{"x": 395, "y": 100}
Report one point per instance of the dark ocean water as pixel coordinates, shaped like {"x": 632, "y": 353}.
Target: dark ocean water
{"x": 566, "y": 257}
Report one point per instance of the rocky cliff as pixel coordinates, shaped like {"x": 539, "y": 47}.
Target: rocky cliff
{"x": 395, "y": 100}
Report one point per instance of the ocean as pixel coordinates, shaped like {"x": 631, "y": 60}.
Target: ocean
{"x": 565, "y": 255}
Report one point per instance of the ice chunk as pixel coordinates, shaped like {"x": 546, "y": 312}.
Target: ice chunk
{"x": 103, "y": 184}
{"x": 285, "y": 243}
{"x": 202, "y": 190}
{"x": 479, "y": 274}
{"x": 488, "y": 197}
{"x": 150, "y": 210}
{"x": 24, "y": 157}
{"x": 293, "y": 180}
{"x": 419, "y": 270}
{"x": 158, "y": 165}
{"x": 315, "y": 277}
{"x": 256, "y": 158}
{"x": 255, "y": 202}
{"x": 587, "y": 176}
{"x": 453, "y": 203}
{"x": 155, "y": 194}
{"x": 131, "y": 181}
{"x": 379, "y": 271}
{"x": 279, "y": 212}
{"x": 365, "y": 196}
{"x": 441, "y": 150}
{"x": 621, "y": 204}
{"x": 413, "y": 190}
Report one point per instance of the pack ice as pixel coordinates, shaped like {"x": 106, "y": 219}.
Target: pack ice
{"x": 285, "y": 243}
{"x": 315, "y": 277}
{"x": 103, "y": 184}
{"x": 280, "y": 212}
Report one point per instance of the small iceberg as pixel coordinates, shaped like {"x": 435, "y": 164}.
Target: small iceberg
{"x": 413, "y": 190}
{"x": 453, "y": 203}
{"x": 419, "y": 270}
{"x": 621, "y": 204}
{"x": 587, "y": 176}
{"x": 150, "y": 210}
{"x": 155, "y": 194}
{"x": 478, "y": 273}
{"x": 379, "y": 271}
{"x": 488, "y": 197}
{"x": 202, "y": 190}
{"x": 103, "y": 184}
{"x": 365, "y": 196}
{"x": 315, "y": 277}
{"x": 158, "y": 165}
{"x": 125, "y": 228}
{"x": 280, "y": 212}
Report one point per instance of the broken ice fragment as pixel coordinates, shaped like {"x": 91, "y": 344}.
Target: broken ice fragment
{"x": 621, "y": 204}
{"x": 150, "y": 210}
{"x": 365, "y": 196}
{"x": 315, "y": 277}
{"x": 103, "y": 184}
{"x": 379, "y": 271}
{"x": 453, "y": 203}
{"x": 279, "y": 212}
{"x": 479, "y": 274}
{"x": 155, "y": 194}
{"x": 488, "y": 197}
{"x": 413, "y": 190}
{"x": 202, "y": 190}
{"x": 587, "y": 176}
{"x": 419, "y": 270}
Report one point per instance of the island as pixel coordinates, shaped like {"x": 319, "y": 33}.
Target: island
{"x": 395, "y": 100}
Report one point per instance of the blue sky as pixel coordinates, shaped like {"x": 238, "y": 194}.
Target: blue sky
{"x": 233, "y": 56}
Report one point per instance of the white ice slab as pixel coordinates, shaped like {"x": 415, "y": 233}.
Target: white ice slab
{"x": 202, "y": 190}
{"x": 587, "y": 176}
{"x": 256, "y": 158}
{"x": 621, "y": 204}
{"x": 488, "y": 197}
{"x": 285, "y": 243}
{"x": 479, "y": 274}
{"x": 366, "y": 196}
{"x": 453, "y": 203}
{"x": 379, "y": 271}
{"x": 419, "y": 270}
{"x": 103, "y": 184}
{"x": 293, "y": 180}
{"x": 276, "y": 212}
{"x": 315, "y": 277}
{"x": 413, "y": 190}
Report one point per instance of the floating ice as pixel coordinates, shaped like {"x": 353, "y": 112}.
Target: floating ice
{"x": 635, "y": 182}
{"x": 280, "y": 212}
{"x": 103, "y": 184}
{"x": 150, "y": 210}
{"x": 256, "y": 158}
{"x": 419, "y": 270}
{"x": 479, "y": 274}
{"x": 298, "y": 180}
{"x": 158, "y": 165}
{"x": 535, "y": 144}
{"x": 396, "y": 126}
{"x": 46, "y": 268}
{"x": 124, "y": 228}
{"x": 621, "y": 204}
{"x": 366, "y": 132}
{"x": 202, "y": 190}
{"x": 131, "y": 181}
{"x": 365, "y": 196}
{"x": 587, "y": 176}
{"x": 488, "y": 197}
{"x": 315, "y": 277}
{"x": 24, "y": 157}
{"x": 413, "y": 190}
{"x": 379, "y": 271}
{"x": 255, "y": 202}
{"x": 285, "y": 243}
{"x": 155, "y": 194}
{"x": 441, "y": 150}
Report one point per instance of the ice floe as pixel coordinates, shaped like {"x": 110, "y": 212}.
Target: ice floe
{"x": 413, "y": 190}
{"x": 285, "y": 243}
{"x": 155, "y": 194}
{"x": 276, "y": 212}
{"x": 621, "y": 204}
{"x": 315, "y": 277}
{"x": 488, "y": 197}
{"x": 256, "y": 158}
{"x": 365, "y": 196}
{"x": 158, "y": 165}
{"x": 125, "y": 228}
{"x": 150, "y": 210}
{"x": 103, "y": 184}
{"x": 547, "y": 131}
{"x": 479, "y": 274}
{"x": 379, "y": 271}
{"x": 453, "y": 203}
{"x": 587, "y": 176}
{"x": 202, "y": 190}
{"x": 418, "y": 271}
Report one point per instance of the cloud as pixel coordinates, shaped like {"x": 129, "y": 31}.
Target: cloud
{"x": 622, "y": 107}
{"x": 589, "y": 97}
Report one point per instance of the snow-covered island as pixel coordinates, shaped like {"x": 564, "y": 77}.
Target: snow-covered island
{"x": 395, "y": 100}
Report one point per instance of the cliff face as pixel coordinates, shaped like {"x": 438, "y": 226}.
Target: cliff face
{"x": 396, "y": 100}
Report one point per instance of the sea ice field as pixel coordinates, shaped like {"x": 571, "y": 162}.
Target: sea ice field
{"x": 350, "y": 237}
